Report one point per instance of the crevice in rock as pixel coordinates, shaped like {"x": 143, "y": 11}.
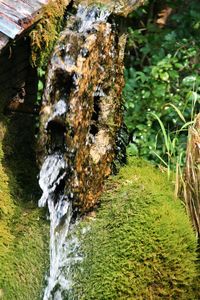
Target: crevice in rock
{"x": 62, "y": 85}
{"x": 56, "y": 131}
{"x": 94, "y": 127}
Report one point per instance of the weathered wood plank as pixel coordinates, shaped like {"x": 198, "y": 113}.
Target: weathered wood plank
{"x": 8, "y": 27}
{"x": 34, "y": 4}
{"x": 19, "y": 6}
{"x": 11, "y": 13}
{"x": 15, "y": 16}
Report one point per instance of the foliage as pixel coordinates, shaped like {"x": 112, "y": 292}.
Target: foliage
{"x": 174, "y": 158}
{"x": 41, "y": 83}
{"x": 140, "y": 245}
{"x": 46, "y": 32}
{"x": 162, "y": 68}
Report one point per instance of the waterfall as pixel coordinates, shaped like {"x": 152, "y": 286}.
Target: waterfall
{"x": 51, "y": 181}
{"x": 63, "y": 250}
{"x": 55, "y": 169}
{"x": 60, "y": 213}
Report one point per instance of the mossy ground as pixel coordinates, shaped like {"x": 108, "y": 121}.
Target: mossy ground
{"x": 23, "y": 227}
{"x": 140, "y": 244}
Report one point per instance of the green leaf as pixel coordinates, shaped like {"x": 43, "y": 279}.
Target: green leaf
{"x": 132, "y": 150}
{"x": 40, "y": 85}
{"x": 164, "y": 76}
{"x": 160, "y": 158}
{"x": 166, "y": 139}
{"x": 189, "y": 80}
{"x": 177, "y": 110}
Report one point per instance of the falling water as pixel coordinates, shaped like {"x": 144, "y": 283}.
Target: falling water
{"x": 62, "y": 249}
{"x": 90, "y": 16}
{"x": 51, "y": 181}
{"x": 53, "y": 174}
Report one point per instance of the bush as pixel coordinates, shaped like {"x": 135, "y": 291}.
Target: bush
{"x": 162, "y": 67}
{"x": 140, "y": 244}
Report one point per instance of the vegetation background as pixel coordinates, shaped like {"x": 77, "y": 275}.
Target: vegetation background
{"x": 162, "y": 92}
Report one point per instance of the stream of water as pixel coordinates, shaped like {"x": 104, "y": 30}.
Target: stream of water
{"x": 52, "y": 182}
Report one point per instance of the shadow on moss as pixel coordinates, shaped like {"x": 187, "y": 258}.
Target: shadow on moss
{"x": 23, "y": 227}
{"x": 19, "y": 159}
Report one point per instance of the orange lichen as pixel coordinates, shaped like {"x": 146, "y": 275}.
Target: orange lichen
{"x": 92, "y": 120}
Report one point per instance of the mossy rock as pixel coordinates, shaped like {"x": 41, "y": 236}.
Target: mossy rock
{"x": 24, "y": 231}
{"x": 140, "y": 244}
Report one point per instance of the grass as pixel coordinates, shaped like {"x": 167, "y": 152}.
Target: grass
{"x": 140, "y": 245}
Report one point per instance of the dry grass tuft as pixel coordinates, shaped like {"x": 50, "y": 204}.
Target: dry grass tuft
{"x": 191, "y": 182}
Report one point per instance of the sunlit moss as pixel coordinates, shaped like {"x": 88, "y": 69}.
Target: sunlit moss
{"x": 46, "y": 32}
{"x": 141, "y": 244}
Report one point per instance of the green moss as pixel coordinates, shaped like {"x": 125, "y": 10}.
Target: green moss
{"x": 23, "y": 227}
{"x": 141, "y": 244}
{"x": 23, "y": 255}
{"x": 46, "y": 32}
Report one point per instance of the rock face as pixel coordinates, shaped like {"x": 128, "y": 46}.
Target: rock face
{"x": 81, "y": 110}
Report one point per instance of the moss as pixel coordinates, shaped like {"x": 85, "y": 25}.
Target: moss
{"x": 23, "y": 254}
{"x": 45, "y": 33}
{"x": 141, "y": 244}
{"x": 23, "y": 227}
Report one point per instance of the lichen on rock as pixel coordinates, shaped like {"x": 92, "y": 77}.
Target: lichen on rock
{"x": 86, "y": 72}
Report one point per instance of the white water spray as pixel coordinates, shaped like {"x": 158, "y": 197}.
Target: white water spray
{"x": 90, "y": 17}
{"x": 52, "y": 173}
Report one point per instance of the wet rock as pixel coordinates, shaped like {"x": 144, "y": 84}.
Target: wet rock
{"x": 119, "y": 7}
{"x": 82, "y": 102}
